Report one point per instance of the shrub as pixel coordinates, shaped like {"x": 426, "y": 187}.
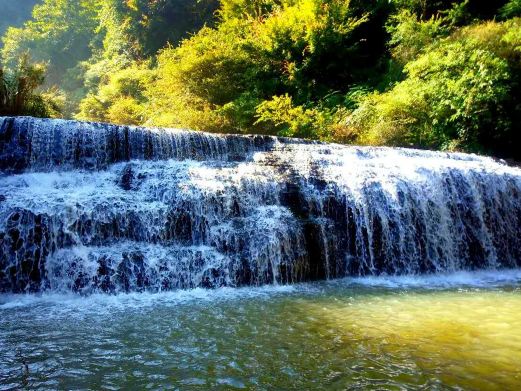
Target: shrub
{"x": 121, "y": 100}
{"x": 19, "y": 95}
{"x": 455, "y": 96}
{"x": 410, "y": 36}
{"x": 224, "y": 79}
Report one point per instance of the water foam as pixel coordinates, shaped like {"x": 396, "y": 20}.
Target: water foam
{"x": 91, "y": 208}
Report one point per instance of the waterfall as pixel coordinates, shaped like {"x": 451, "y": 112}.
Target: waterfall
{"x": 89, "y": 207}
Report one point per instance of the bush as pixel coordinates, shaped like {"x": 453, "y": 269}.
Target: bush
{"x": 197, "y": 79}
{"x": 121, "y": 100}
{"x": 292, "y": 120}
{"x": 457, "y": 95}
{"x": 410, "y": 36}
{"x": 18, "y": 91}
{"x": 511, "y": 9}
{"x": 224, "y": 79}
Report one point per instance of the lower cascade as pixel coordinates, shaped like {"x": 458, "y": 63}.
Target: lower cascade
{"x": 88, "y": 207}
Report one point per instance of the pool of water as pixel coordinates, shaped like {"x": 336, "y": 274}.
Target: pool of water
{"x": 460, "y": 331}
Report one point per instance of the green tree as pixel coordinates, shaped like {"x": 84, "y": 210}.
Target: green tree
{"x": 511, "y": 9}
{"x": 59, "y": 33}
{"x": 441, "y": 74}
{"x": 14, "y": 13}
{"x": 260, "y": 50}
{"x": 19, "y": 95}
{"x": 460, "y": 94}
{"x": 121, "y": 100}
{"x": 83, "y": 40}
{"x": 132, "y": 32}
{"x": 410, "y": 36}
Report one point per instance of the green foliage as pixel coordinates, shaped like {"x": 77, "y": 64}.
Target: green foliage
{"x": 197, "y": 78}
{"x": 132, "y": 31}
{"x": 58, "y": 33}
{"x": 121, "y": 99}
{"x": 455, "y": 95}
{"x": 83, "y": 40}
{"x": 443, "y": 74}
{"x": 511, "y": 9}
{"x": 225, "y": 78}
{"x": 14, "y": 13}
{"x": 139, "y": 28}
{"x": 292, "y": 121}
{"x": 410, "y": 36}
{"x": 457, "y": 12}
{"x": 249, "y": 9}
{"x": 18, "y": 95}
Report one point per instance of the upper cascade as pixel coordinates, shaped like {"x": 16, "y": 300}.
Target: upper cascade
{"x": 88, "y": 207}
{"x": 45, "y": 144}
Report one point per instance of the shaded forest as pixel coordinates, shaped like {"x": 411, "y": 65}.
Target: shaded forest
{"x": 428, "y": 74}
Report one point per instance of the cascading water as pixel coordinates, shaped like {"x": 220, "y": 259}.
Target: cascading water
{"x": 91, "y": 207}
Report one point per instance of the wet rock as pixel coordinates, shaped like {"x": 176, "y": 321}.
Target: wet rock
{"x": 228, "y": 210}
{"x": 127, "y": 176}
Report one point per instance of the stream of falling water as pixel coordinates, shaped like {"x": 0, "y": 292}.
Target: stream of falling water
{"x": 91, "y": 208}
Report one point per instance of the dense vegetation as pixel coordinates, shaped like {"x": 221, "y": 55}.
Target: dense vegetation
{"x": 17, "y": 92}
{"x": 440, "y": 74}
{"x": 83, "y": 43}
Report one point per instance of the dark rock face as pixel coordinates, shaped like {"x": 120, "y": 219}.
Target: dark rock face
{"x": 25, "y": 243}
{"x": 14, "y": 145}
{"x": 101, "y": 208}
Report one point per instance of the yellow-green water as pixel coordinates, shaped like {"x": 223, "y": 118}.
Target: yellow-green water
{"x": 338, "y": 335}
{"x": 469, "y": 339}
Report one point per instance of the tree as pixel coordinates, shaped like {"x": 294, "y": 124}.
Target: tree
{"x": 121, "y": 100}
{"x": 263, "y": 49}
{"x": 18, "y": 91}
{"x": 59, "y": 33}
{"x": 461, "y": 93}
{"x": 14, "y": 13}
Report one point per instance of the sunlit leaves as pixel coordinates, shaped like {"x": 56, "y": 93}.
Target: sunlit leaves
{"x": 454, "y": 95}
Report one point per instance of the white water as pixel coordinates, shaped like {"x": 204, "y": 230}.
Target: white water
{"x": 74, "y": 305}
{"x": 197, "y": 210}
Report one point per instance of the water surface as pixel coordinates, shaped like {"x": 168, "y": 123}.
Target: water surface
{"x": 461, "y": 331}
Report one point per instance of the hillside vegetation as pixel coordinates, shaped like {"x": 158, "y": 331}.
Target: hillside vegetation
{"x": 429, "y": 74}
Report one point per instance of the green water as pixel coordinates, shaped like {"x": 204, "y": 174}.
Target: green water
{"x": 453, "y": 333}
